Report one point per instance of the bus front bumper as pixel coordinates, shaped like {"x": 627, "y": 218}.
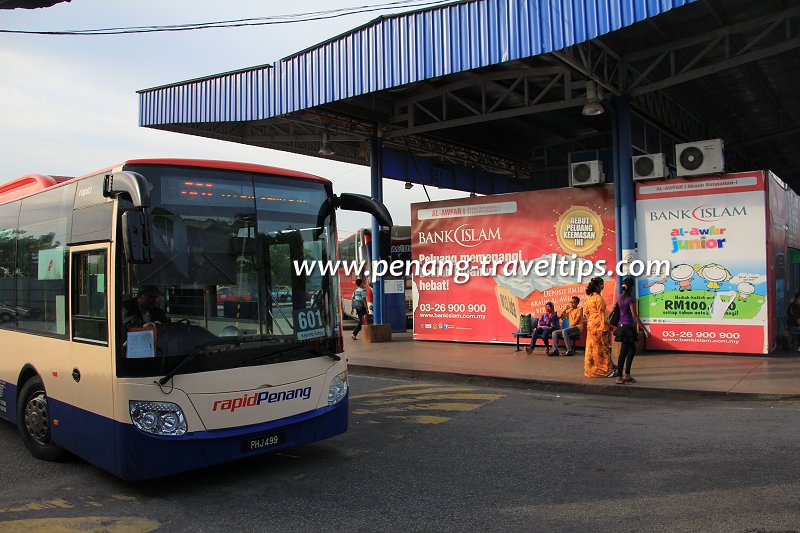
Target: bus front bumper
{"x": 144, "y": 456}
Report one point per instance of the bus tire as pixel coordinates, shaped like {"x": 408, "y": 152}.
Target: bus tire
{"x": 34, "y": 423}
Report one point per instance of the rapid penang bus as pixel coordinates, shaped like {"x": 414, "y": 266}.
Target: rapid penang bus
{"x": 356, "y": 249}
{"x": 228, "y": 377}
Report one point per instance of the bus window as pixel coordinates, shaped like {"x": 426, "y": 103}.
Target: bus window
{"x": 89, "y": 303}
{"x": 9, "y": 216}
{"x": 41, "y": 259}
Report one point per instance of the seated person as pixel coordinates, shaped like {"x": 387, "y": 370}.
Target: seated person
{"x": 793, "y": 312}
{"x": 547, "y": 323}
{"x": 142, "y": 311}
{"x": 576, "y": 322}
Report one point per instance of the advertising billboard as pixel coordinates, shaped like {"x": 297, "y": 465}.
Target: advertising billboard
{"x": 713, "y": 232}
{"x": 522, "y": 250}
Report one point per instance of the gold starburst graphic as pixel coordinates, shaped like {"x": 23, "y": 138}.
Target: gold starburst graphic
{"x": 579, "y": 231}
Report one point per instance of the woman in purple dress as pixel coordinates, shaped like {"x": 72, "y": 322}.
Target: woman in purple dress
{"x": 626, "y": 332}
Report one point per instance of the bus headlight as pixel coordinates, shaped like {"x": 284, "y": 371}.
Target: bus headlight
{"x": 158, "y": 418}
{"x": 337, "y": 389}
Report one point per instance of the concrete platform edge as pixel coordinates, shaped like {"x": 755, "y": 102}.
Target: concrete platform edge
{"x": 610, "y": 389}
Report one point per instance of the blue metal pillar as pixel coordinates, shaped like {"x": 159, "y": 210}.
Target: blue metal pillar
{"x": 623, "y": 181}
{"x": 376, "y": 163}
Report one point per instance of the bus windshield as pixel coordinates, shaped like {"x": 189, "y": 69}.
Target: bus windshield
{"x": 223, "y": 245}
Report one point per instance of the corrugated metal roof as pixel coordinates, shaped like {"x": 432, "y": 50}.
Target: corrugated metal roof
{"x": 394, "y": 51}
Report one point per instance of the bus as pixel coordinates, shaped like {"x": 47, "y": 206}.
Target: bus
{"x": 357, "y": 249}
{"x": 255, "y": 371}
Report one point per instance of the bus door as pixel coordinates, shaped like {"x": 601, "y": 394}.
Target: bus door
{"x": 92, "y": 420}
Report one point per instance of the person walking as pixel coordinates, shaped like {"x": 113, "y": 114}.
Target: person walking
{"x": 597, "y": 357}
{"x": 626, "y": 332}
{"x": 359, "y": 306}
{"x": 576, "y": 323}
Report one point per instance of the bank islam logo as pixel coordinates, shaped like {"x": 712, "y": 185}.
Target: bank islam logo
{"x": 464, "y": 235}
{"x": 703, "y": 213}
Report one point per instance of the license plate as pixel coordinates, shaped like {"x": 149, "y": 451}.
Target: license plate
{"x": 264, "y": 441}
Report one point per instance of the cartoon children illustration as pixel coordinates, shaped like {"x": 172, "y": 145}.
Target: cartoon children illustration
{"x": 657, "y": 289}
{"x": 683, "y": 274}
{"x": 744, "y": 290}
{"x": 714, "y": 274}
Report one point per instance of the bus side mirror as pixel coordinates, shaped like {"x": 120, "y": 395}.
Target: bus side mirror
{"x": 365, "y": 204}
{"x": 136, "y": 237}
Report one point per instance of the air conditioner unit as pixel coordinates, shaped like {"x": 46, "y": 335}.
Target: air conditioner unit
{"x": 701, "y": 157}
{"x": 586, "y": 173}
{"x": 649, "y": 167}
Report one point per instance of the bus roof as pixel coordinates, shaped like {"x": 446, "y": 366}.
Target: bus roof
{"x": 27, "y": 185}
{"x": 211, "y": 163}
{"x": 33, "y": 183}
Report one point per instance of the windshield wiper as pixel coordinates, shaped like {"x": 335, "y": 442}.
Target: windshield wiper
{"x": 315, "y": 350}
{"x": 324, "y": 353}
{"x": 169, "y": 375}
{"x": 238, "y": 341}
{"x": 199, "y": 350}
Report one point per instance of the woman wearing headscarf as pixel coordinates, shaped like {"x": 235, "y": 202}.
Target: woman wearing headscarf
{"x": 547, "y": 323}
{"x": 597, "y": 358}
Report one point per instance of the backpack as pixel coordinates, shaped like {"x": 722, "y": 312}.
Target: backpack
{"x": 358, "y": 299}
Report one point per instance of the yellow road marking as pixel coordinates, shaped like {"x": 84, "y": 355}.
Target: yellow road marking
{"x": 117, "y": 524}
{"x": 56, "y": 503}
{"x": 422, "y": 419}
{"x": 411, "y": 386}
{"x": 442, "y": 406}
{"x": 429, "y": 390}
{"x": 388, "y": 401}
{"x": 124, "y": 497}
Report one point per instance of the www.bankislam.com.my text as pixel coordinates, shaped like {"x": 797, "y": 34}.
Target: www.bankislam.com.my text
{"x": 461, "y": 270}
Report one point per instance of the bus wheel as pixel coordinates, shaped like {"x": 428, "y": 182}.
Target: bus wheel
{"x": 33, "y": 421}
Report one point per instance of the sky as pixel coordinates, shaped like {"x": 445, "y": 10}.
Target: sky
{"x": 68, "y": 104}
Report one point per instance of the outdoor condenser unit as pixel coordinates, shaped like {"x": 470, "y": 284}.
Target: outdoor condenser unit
{"x": 701, "y": 157}
{"x": 649, "y": 167}
{"x": 586, "y": 173}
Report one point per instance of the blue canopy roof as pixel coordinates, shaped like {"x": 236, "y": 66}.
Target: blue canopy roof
{"x": 394, "y": 51}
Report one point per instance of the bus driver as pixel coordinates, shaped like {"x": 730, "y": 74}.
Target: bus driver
{"x": 142, "y": 311}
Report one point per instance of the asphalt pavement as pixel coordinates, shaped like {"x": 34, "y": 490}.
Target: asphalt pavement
{"x": 424, "y": 455}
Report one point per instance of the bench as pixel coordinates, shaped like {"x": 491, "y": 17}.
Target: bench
{"x": 792, "y": 335}
{"x": 523, "y": 334}
{"x": 529, "y": 334}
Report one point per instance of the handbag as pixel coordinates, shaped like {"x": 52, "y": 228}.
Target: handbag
{"x": 613, "y": 316}
{"x": 525, "y": 324}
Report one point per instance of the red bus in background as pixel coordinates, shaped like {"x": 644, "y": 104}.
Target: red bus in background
{"x": 357, "y": 248}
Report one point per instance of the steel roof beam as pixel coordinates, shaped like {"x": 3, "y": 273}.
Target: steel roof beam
{"x": 595, "y": 61}
{"x": 600, "y": 62}
{"x": 430, "y": 91}
{"x": 498, "y": 115}
{"x": 667, "y": 111}
{"x": 526, "y": 92}
{"x": 756, "y": 72}
{"x": 776, "y": 35}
